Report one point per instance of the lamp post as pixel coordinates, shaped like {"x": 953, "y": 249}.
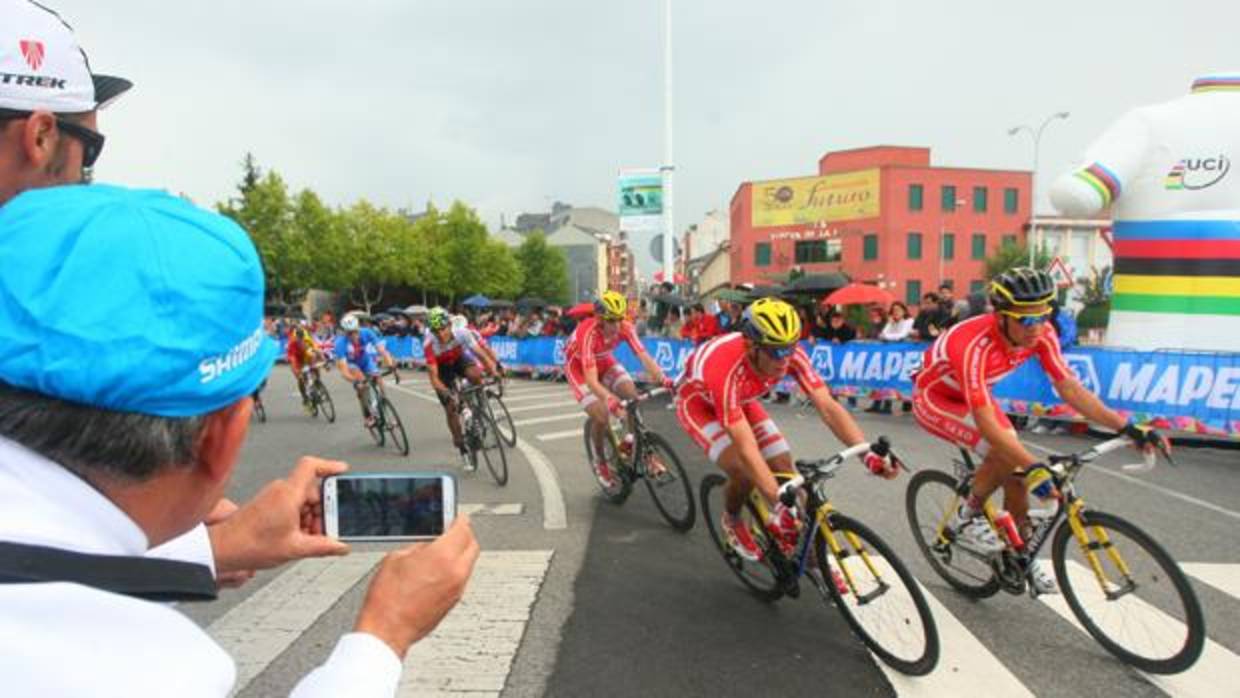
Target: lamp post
{"x": 1033, "y": 189}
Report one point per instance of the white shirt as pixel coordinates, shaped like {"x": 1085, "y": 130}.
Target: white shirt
{"x": 63, "y": 639}
{"x": 896, "y": 330}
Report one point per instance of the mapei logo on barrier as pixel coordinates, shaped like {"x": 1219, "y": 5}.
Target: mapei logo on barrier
{"x": 558, "y": 355}
{"x": 669, "y": 359}
{"x": 1083, "y": 366}
{"x": 821, "y": 360}
{"x": 1197, "y": 173}
{"x": 505, "y": 350}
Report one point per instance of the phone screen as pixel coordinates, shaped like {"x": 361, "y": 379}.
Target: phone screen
{"x": 390, "y": 506}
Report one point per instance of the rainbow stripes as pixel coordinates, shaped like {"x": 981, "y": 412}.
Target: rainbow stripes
{"x": 1103, "y": 181}
{"x": 1183, "y": 267}
{"x": 1175, "y": 178}
{"x": 1217, "y": 83}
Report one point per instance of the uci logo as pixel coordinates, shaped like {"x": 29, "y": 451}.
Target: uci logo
{"x": 821, "y": 360}
{"x": 558, "y": 354}
{"x": 1083, "y": 366}
{"x": 1198, "y": 173}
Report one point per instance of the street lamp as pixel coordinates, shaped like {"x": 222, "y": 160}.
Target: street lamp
{"x": 1033, "y": 189}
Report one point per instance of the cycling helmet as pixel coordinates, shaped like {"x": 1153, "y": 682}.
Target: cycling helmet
{"x": 1021, "y": 286}
{"x": 438, "y": 318}
{"x": 349, "y": 323}
{"x": 771, "y": 322}
{"x": 612, "y": 305}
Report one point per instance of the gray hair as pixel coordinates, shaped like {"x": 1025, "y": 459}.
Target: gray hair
{"x": 96, "y": 442}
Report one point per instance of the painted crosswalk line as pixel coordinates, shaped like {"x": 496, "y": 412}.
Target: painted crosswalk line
{"x": 553, "y": 418}
{"x": 471, "y": 652}
{"x": 1225, "y": 578}
{"x": 530, "y": 397}
{"x": 508, "y": 509}
{"x": 1217, "y": 666}
{"x": 557, "y": 435}
{"x": 261, "y": 627}
{"x": 544, "y": 405}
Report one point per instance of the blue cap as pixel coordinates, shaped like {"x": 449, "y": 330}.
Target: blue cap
{"x": 129, "y": 300}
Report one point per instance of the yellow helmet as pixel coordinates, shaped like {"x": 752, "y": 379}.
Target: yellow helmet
{"x": 612, "y": 305}
{"x": 771, "y": 322}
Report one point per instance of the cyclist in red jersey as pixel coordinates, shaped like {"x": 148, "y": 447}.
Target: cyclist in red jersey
{"x": 717, "y": 404}
{"x": 952, "y": 399}
{"x": 597, "y": 379}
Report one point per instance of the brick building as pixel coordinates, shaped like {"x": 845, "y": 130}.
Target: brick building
{"x": 882, "y": 214}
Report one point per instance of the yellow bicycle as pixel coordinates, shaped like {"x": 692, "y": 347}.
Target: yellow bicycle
{"x": 1123, "y": 587}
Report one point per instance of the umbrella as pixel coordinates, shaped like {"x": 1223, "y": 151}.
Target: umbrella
{"x": 477, "y": 301}
{"x": 381, "y": 317}
{"x": 580, "y": 310}
{"x": 531, "y": 302}
{"x": 671, "y": 299}
{"x": 395, "y": 310}
{"x": 416, "y": 310}
{"x": 733, "y": 295}
{"x": 817, "y": 283}
{"x": 500, "y": 304}
{"x": 764, "y": 291}
{"x": 858, "y": 294}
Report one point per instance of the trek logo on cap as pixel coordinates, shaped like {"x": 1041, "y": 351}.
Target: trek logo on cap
{"x": 33, "y": 52}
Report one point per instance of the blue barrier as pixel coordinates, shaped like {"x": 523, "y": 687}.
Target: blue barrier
{"x": 1192, "y": 392}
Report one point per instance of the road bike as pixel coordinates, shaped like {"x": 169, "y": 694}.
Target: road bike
{"x": 846, "y": 562}
{"x": 647, "y": 457}
{"x": 319, "y": 400}
{"x": 479, "y": 429}
{"x": 381, "y": 419}
{"x": 1121, "y": 585}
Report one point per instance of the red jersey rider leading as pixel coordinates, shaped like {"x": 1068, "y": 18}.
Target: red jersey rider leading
{"x": 597, "y": 379}
{"x": 952, "y": 399}
{"x": 717, "y": 404}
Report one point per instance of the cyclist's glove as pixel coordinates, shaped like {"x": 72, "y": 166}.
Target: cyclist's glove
{"x": 1145, "y": 437}
{"x": 883, "y": 466}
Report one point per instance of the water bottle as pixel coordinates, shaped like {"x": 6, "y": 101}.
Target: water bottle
{"x": 1005, "y": 523}
{"x": 626, "y": 445}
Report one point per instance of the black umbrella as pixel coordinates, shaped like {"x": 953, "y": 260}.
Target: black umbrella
{"x": 671, "y": 299}
{"x": 381, "y": 317}
{"x": 531, "y": 302}
{"x": 817, "y": 284}
{"x": 395, "y": 310}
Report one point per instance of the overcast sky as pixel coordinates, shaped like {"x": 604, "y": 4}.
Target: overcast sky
{"x": 511, "y": 104}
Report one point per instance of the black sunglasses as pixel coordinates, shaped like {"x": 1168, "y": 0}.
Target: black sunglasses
{"x": 92, "y": 141}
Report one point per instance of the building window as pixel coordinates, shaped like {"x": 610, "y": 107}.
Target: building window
{"x": 869, "y": 247}
{"x": 912, "y": 292}
{"x": 948, "y": 197}
{"x": 976, "y": 285}
{"x": 811, "y": 251}
{"x": 762, "y": 254}
{"x": 914, "y": 197}
{"x": 1011, "y": 200}
{"x": 1009, "y": 241}
{"x": 914, "y": 245}
{"x": 949, "y": 246}
{"x": 979, "y": 246}
{"x": 979, "y": 199}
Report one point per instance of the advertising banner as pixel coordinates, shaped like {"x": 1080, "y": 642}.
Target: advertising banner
{"x": 639, "y": 204}
{"x": 808, "y": 200}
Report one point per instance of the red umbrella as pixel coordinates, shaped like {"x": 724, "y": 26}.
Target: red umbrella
{"x": 858, "y": 294}
{"x": 580, "y": 310}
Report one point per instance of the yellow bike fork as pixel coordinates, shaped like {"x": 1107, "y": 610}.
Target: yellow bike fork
{"x": 1088, "y": 547}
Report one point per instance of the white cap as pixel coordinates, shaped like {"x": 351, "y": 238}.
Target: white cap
{"x": 43, "y": 68}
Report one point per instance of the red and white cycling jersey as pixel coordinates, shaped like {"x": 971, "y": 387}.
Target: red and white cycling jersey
{"x": 964, "y": 362}
{"x": 587, "y": 347}
{"x": 718, "y": 369}
{"x": 449, "y": 352}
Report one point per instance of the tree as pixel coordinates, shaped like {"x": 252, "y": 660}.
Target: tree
{"x": 371, "y": 248}
{"x": 545, "y": 269}
{"x": 504, "y": 276}
{"x": 321, "y": 231}
{"x": 263, "y": 210}
{"x": 1011, "y": 255}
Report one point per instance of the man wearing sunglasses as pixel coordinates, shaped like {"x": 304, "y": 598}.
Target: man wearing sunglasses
{"x": 717, "y": 404}
{"x": 952, "y": 400}
{"x": 48, "y": 102}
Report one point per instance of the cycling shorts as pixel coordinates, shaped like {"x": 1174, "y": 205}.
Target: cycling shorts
{"x": 952, "y": 420}
{"x": 450, "y": 373}
{"x": 695, "y": 410}
{"x": 611, "y": 374}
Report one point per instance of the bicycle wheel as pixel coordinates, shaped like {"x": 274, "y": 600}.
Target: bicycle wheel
{"x": 259, "y": 410}
{"x": 881, "y": 600}
{"x": 929, "y": 501}
{"x": 323, "y": 401}
{"x": 1146, "y": 614}
{"x": 394, "y": 428}
{"x": 493, "y": 447}
{"x": 622, "y": 487}
{"x": 758, "y": 577}
{"x": 672, "y": 493}
{"x": 503, "y": 421}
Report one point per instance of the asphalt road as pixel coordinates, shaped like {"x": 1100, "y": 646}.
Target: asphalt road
{"x": 629, "y": 607}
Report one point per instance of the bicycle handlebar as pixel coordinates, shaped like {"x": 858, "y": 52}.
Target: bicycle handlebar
{"x": 1149, "y": 457}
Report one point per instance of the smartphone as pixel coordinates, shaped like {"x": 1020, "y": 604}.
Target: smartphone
{"x": 388, "y": 506}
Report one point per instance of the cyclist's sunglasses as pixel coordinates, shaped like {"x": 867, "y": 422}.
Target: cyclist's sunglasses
{"x": 779, "y": 353}
{"x": 1029, "y": 319}
{"x": 92, "y": 141}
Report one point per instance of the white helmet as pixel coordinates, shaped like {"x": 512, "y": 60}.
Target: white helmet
{"x": 459, "y": 322}
{"x": 349, "y": 323}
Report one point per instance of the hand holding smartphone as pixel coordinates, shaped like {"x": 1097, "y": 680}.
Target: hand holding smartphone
{"x": 388, "y": 506}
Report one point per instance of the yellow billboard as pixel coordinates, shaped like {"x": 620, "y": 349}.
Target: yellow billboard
{"x": 837, "y": 197}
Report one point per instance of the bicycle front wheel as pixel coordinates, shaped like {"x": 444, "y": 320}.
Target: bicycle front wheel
{"x": 395, "y": 430}
{"x": 493, "y": 449}
{"x": 503, "y": 421}
{"x": 759, "y": 577}
{"x": 668, "y": 483}
{"x": 877, "y": 595}
{"x": 323, "y": 400}
{"x": 1129, "y": 594}
{"x": 930, "y": 502}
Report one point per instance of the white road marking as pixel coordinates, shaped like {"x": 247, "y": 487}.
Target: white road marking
{"x": 471, "y": 651}
{"x": 557, "y": 435}
{"x": 1225, "y": 578}
{"x": 1150, "y": 486}
{"x": 1214, "y": 670}
{"x": 552, "y": 418}
{"x": 527, "y": 397}
{"x": 510, "y": 509}
{"x": 543, "y": 406}
{"x": 555, "y": 515}
{"x": 260, "y": 628}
